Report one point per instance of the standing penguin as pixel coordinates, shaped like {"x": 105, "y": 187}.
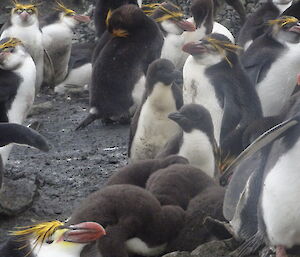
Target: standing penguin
{"x": 257, "y": 22}
{"x": 118, "y": 78}
{"x": 196, "y": 141}
{"x": 150, "y": 128}
{"x": 58, "y": 33}
{"x": 273, "y": 62}
{"x": 24, "y": 25}
{"x": 17, "y": 82}
{"x": 214, "y": 78}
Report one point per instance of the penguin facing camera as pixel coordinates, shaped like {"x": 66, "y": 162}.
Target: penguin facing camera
{"x": 150, "y": 127}
{"x": 118, "y": 76}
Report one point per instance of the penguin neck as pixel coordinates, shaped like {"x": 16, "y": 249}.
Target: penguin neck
{"x": 206, "y": 23}
{"x": 198, "y": 149}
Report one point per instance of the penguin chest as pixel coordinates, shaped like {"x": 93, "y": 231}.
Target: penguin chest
{"x": 197, "y": 148}
{"x": 280, "y": 199}
{"x": 198, "y": 89}
{"x": 137, "y": 246}
{"x": 278, "y": 85}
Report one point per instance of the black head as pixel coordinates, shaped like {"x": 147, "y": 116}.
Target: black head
{"x": 201, "y": 10}
{"x": 213, "y": 49}
{"x": 193, "y": 116}
{"x": 162, "y": 70}
{"x": 126, "y": 21}
{"x": 285, "y": 29}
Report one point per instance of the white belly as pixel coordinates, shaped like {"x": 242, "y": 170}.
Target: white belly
{"x": 198, "y": 89}
{"x": 198, "y": 150}
{"x": 137, "y": 246}
{"x": 137, "y": 94}
{"x": 277, "y": 87}
{"x": 280, "y": 202}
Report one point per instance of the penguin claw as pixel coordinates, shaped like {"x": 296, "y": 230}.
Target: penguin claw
{"x": 87, "y": 121}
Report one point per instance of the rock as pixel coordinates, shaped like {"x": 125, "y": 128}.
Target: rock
{"x": 178, "y": 254}
{"x": 16, "y": 196}
{"x": 41, "y": 108}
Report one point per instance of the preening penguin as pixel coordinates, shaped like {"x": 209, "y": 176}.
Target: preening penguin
{"x": 118, "y": 77}
{"x": 58, "y": 33}
{"x": 150, "y": 127}
{"x": 51, "y": 239}
{"x": 196, "y": 140}
{"x": 133, "y": 219}
{"x": 24, "y": 25}
{"x": 17, "y": 82}
{"x": 214, "y": 78}
{"x": 270, "y": 56}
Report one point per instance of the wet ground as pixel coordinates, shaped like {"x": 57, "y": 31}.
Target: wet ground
{"x": 78, "y": 163}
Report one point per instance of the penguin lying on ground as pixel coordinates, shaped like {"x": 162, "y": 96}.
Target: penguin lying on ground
{"x": 257, "y": 22}
{"x": 196, "y": 140}
{"x": 150, "y": 127}
{"x": 118, "y": 78}
{"x": 51, "y": 239}
{"x": 172, "y": 23}
{"x": 17, "y": 83}
{"x": 24, "y": 25}
{"x": 270, "y": 56}
{"x": 138, "y": 173}
{"x": 58, "y": 33}
{"x": 79, "y": 67}
{"x": 254, "y": 214}
{"x": 214, "y": 78}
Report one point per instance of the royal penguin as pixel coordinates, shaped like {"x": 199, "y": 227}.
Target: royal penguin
{"x": 17, "y": 82}
{"x": 150, "y": 127}
{"x": 265, "y": 207}
{"x": 118, "y": 76}
{"x": 172, "y": 23}
{"x": 24, "y": 25}
{"x": 104, "y": 8}
{"x": 134, "y": 220}
{"x": 257, "y": 22}
{"x": 214, "y": 78}
{"x": 51, "y": 239}
{"x": 79, "y": 68}
{"x": 270, "y": 56}
{"x": 58, "y": 30}
{"x": 196, "y": 140}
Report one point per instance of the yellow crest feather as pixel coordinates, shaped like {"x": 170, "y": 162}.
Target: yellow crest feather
{"x": 282, "y": 21}
{"x": 12, "y": 42}
{"x": 25, "y": 6}
{"x": 62, "y": 7}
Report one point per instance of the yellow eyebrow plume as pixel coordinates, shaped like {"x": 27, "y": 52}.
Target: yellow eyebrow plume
{"x": 12, "y": 42}
{"x": 282, "y": 21}
{"x": 62, "y": 7}
{"x": 24, "y": 6}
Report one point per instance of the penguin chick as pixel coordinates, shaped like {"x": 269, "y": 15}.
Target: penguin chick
{"x": 57, "y": 40}
{"x": 196, "y": 141}
{"x": 17, "y": 82}
{"x": 51, "y": 239}
{"x": 118, "y": 77}
{"x": 177, "y": 184}
{"x": 172, "y": 23}
{"x": 24, "y": 25}
{"x": 279, "y": 54}
{"x": 214, "y": 78}
{"x": 138, "y": 173}
{"x": 134, "y": 220}
{"x": 150, "y": 127}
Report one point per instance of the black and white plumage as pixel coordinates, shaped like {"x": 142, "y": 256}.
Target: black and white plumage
{"x": 17, "y": 82}
{"x": 272, "y": 63}
{"x": 150, "y": 127}
{"x": 118, "y": 78}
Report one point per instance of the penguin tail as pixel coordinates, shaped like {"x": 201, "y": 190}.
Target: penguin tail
{"x": 19, "y": 134}
{"x": 87, "y": 121}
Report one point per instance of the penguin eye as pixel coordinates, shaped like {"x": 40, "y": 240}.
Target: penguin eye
{"x": 30, "y": 11}
{"x": 19, "y": 11}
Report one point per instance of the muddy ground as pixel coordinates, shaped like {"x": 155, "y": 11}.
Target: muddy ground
{"x": 78, "y": 163}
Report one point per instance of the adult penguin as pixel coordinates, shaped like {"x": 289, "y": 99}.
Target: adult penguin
{"x": 278, "y": 54}
{"x": 24, "y": 25}
{"x": 118, "y": 78}
{"x": 150, "y": 127}
{"x": 17, "y": 82}
{"x": 257, "y": 22}
{"x": 57, "y": 29}
{"x": 214, "y": 78}
{"x": 104, "y": 8}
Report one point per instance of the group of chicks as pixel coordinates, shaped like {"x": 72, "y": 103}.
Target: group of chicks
{"x": 231, "y": 116}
